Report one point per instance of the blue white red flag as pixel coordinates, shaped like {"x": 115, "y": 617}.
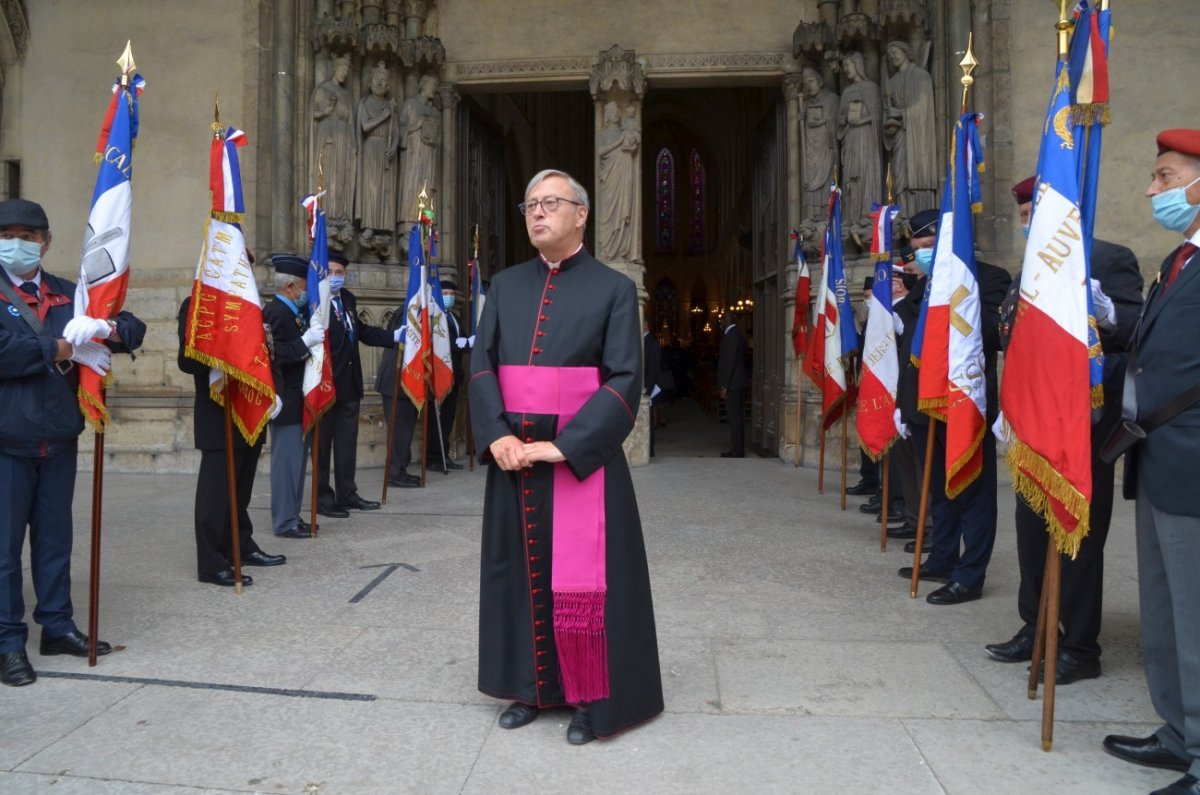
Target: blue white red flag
{"x": 834, "y": 340}
{"x": 426, "y": 371}
{"x": 876, "y": 416}
{"x": 948, "y": 344}
{"x": 477, "y": 296}
{"x": 802, "y": 317}
{"x": 104, "y": 262}
{"x": 318, "y": 368}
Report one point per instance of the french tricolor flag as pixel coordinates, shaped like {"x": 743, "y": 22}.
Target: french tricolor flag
{"x": 876, "y": 415}
{"x": 225, "y": 176}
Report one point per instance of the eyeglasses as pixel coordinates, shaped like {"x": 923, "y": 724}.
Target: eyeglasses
{"x": 549, "y": 204}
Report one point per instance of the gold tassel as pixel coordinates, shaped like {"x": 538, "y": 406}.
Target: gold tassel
{"x": 1037, "y": 481}
{"x": 958, "y": 466}
{"x": 228, "y": 218}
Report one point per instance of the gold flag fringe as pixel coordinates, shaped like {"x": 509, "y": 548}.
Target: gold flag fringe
{"x": 1091, "y": 114}
{"x": 960, "y": 463}
{"x": 228, "y": 218}
{"x": 1036, "y": 481}
{"x": 99, "y": 424}
{"x": 1097, "y": 396}
{"x": 886, "y": 449}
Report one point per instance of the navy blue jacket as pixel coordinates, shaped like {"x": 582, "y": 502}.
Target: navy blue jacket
{"x": 39, "y": 408}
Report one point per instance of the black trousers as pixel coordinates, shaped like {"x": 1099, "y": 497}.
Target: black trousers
{"x": 339, "y": 441}
{"x": 401, "y": 435}
{"x": 904, "y": 471}
{"x": 445, "y": 416}
{"x": 868, "y": 470}
{"x": 1082, "y": 593}
{"x": 735, "y": 415}
{"x": 214, "y": 538}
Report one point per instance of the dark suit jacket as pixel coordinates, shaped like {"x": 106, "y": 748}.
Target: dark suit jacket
{"x": 1168, "y": 363}
{"x": 456, "y": 353}
{"x": 652, "y": 358}
{"x": 385, "y": 379}
{"x": 731, "y": 360}
{"x": 1116, "y": 268}
{"x": 287, "y": 363}
{"x": 346, "y": 359}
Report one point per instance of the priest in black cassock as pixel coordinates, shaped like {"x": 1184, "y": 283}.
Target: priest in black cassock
{"x": 565, "y": 617}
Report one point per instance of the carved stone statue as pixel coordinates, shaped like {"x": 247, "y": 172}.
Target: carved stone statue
{"x": 820, "y": 143}
{"x": 421, "y": 131}
{"x": 616, "y": 144}
{"x": 909, "y": 131}
{"x": 860, "y": 131}
{"x": 333, "y": 112}
{"x": 379, "y": 165}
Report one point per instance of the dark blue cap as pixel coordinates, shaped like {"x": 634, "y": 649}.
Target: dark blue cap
{"x": 22, "y": 212}
{"x": 339, "y": 258}
{"x": 924, "y": 223}
{"x": 290, "y": 264}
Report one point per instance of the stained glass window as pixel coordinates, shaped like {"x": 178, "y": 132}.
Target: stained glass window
{"x": 664, "y": 220}
{"x": 696, "y": 194}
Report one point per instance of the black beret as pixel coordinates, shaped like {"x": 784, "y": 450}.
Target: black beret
{"x": 340, "y": 258}
{"x": 448, "y": 284}
{"x": 291, "y": 265}
{"x": 924, "y": 223}
{"x": 22, "y": 212}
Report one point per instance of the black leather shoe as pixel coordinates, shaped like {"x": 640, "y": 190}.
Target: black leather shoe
{"x": 723, "y": 455}
{"x": 906, "y": 530}
{"x": 1188, "y": 785}
{"x": 305, "y": 527}
{"x": 15, "y": 669}
{"x": 357, "y": 503}
{"x": 405, "y": 482}
{"x": 895, "y": 516}
{"x": 872, "y": 505}
{"x": 332, "y": 511}
{"x": 294, "y": 532}
{"x": 517, "y": 715}
{"x": 911, "y": 547}
{"x": 927, "y": 574}
{"x": 580, "y": 730}
{"x": 1019, "y": 649}
{"x": 225, "y": 577}
{"x": 1146, "y": 751}
{"x": 74, "y": 643}
{"x": 862, "y": 488}
{"x": 1069, "y": 670}
{"x": 438, "y": 464}
{"x": 954, "y": 594}
{"x": 260, "y": 558}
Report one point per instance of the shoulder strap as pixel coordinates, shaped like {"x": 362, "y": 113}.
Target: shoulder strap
{"x": 1167, "y": 411}
{"x": 22, "y": 308}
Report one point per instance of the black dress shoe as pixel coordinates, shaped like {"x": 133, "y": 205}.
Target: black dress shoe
{"x": 1019, "y": 649}
{"x": 405, "y": 482}
{"x": 906, "y": 530}
{"x": 580, "y": 730}
{"x": 872, "y": 505}
{"x": 927, "y": 574}
{"x": 225, "y": 577}
{"x": 357, "y": 503}
{"x": 895, "y": 516}
{"x": 15, "y": 669}
{"x": 1147, "y": 751}
{"x": 1068, "y": 669}
{"x": 74, "y": 643}
{"x": 911, "y": 547}
{"x": 954, "y": 594}
{"x": 332, "y": 511}
{"x": 306, "y": 527}
{"x": 260, "y": 558}
{"x": 1188, "y": 785}
{"x": 294, "y": 532}
{"x": 438, "y": 464}
{"x": 723, "y": 455}
{"x": 862, "y": 487}
{"x": 517, "y": 715}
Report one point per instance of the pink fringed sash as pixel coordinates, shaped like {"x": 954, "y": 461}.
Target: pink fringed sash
{"x": 578, "y": 580}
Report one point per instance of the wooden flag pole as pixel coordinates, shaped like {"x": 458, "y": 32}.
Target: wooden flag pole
{"x": 883, "y": 512}
{"x": 845, "y": 448}
{"x": 923, "y": 512}
{"x": 97, "y": 506}
{"x": 387, "y": 456}
{"x": 234, "y": 529}
{"x": 316, "y": 444}
{"x": 821, "y": 470}
{"x": 799, "y": 409}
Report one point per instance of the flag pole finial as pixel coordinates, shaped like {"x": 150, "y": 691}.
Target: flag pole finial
{"x": 890, "y": 198}
{"x": 126, "y": 63}
{"x": 967, "y": 64}
{"x": 320, "y": 175}
{"x": 476, "y": 241}
{"x": 1063, "y": 26}
{"x": 216, "y": 125}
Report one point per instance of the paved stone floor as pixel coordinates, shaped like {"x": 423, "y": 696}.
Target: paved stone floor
{"x": 793, "y": 659}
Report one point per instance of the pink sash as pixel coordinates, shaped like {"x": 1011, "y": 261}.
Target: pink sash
{"x": 578, "y": 581}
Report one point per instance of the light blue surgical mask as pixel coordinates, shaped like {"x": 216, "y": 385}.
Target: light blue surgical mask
{"x": 924, "y": 257}
{"x": 448, "y": 300}
{"x": 20, "y": 256}
{"x": 1025, "y": 230}
{"x": 336, "y": 282}
{"x": 1172, "y": 210}
{"x": 301, "y": 300}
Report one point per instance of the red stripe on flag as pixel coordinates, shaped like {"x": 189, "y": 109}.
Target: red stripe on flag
{"x": 876, "y": 416}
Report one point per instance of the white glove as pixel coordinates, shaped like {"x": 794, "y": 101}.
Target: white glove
{"x": 460, "y": 343}
{"x": 81, "y": 329}
{"x": 900, "y": 426}
{"x": 315, "y": 334}
{"x": 1106, "y": 313}
{"x": 471, "y": 341}
{"x": 398, "y": 337}
{"x": 898, "y": 324}
{"x": 276, "y": 407}
{"x": 93, "y": 355}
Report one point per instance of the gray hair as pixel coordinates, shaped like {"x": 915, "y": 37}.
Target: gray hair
{"x": 284, "y": 280}
{"x": 581, "y": 195}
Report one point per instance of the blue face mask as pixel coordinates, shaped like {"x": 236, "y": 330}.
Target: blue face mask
{"x": 20, "y": 256}
{"x": 448, "y": 300}
{"x": 1025, "y": 230}
{"x": 301, "y": 300}
{"x": 336, "y": 282}
{"x": 1172, "y": 210}
{"x": 924, "y": 258}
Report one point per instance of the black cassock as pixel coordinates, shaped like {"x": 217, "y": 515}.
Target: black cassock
{"x": 585, "y": 314}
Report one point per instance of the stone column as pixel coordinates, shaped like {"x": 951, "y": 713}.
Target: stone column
{"x": 793, "y": 388}
{"x": 448, "y": 217}
{"x": 283, "y": 83}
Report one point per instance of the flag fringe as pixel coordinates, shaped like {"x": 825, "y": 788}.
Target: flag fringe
{"x": 227, "y": 217}
{"x": 1037, "y": 482}
{"x": 1097, "y": 396}
{"x": 961, "y": 463}
{"x": 877, "y": 457}
{"x": 249, "y": 434}
{"x": 97, "y": 416}
{"x": 1091, "y": 114}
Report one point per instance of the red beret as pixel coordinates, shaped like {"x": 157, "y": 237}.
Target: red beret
{"x": 1023, "y": 190}
{"x": 1186, "y": 142}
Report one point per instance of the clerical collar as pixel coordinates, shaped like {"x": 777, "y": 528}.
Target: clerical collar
{"x": 556, "y": 265}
